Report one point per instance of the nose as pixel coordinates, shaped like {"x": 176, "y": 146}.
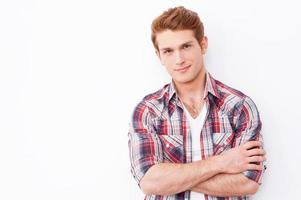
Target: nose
{"x": 179, "y": 58}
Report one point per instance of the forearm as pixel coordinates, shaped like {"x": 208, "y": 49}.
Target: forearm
{"x": 227, "y": 185}
{"x": 170, "y": 178}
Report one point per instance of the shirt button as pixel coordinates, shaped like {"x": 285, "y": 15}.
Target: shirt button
{"x": 167, "y": 145}
{"x": 188, "y": 129}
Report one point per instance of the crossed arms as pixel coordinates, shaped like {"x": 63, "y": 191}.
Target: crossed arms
{"x": 218, "y": 175}
{"x": 234, "y": 172}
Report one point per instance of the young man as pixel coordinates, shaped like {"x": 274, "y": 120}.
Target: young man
{"x": 196, "y": 138}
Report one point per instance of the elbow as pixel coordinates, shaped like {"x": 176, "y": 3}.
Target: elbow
{"x": 155, "y": 188}
{"x": 149, "y": 183}
{"x": 252, "y": 188}
{"x": 147, "y": 187}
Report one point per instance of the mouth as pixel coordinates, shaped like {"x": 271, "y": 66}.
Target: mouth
{"x": 183, "y": 69}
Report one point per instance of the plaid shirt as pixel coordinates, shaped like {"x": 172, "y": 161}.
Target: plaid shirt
{"x": 159, "y": 131}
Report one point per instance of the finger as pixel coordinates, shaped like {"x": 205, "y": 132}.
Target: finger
{"x": 254, "y": 167}
{"x": 253, "y": 152}
{"x": 252, "y": 144}
{"x": 256, "y": 159}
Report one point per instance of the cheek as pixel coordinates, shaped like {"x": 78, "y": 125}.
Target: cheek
{"x": 198, "y": 58}
{"x": 168, "y": 62}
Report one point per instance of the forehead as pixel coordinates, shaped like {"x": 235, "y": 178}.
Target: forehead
{"x": 173, "y": 39}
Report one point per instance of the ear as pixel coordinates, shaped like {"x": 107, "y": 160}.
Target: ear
{"x": 204, "y": 44}
{"x": 158, "y": 54}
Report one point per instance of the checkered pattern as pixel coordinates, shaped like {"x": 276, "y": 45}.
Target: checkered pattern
{"x": 159, "y": 130}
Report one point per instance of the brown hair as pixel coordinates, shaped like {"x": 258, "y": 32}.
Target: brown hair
{"x": 175, "y": 19}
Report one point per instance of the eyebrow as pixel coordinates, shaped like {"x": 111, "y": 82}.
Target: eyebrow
{"x": 167, "y": 48}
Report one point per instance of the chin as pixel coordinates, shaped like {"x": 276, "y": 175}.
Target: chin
{"x": 183, "y": 80}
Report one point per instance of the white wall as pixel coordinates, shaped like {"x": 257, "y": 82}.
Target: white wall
{"x": 72, "y": 71}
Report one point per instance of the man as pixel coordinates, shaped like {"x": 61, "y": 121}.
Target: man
{"x": 196, "y": 138}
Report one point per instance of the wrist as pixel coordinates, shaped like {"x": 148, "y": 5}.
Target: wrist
{"x": 217, "y": 163}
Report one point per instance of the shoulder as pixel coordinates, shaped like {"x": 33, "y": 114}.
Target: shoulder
{"x": 233, "y": 99}
{"x": 152, "y": 104}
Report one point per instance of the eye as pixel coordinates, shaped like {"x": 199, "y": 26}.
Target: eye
{"x": 167, "y": 51}
{"x": 187, "y": 46}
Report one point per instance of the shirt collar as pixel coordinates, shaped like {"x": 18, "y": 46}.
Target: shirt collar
{"x": 210, "y": 87}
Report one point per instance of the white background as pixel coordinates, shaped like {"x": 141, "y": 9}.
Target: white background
{"x": 71, "y": 73}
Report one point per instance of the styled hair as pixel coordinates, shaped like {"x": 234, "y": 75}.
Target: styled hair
{"x": 176, "y": 19}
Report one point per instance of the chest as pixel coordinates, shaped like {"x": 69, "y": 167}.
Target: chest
{"x": 216, "y": 133}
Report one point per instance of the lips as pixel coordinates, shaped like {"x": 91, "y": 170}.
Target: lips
{"x": 182, "y": 69}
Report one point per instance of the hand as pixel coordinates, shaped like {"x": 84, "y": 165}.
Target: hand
{"x": 242, "y": 158}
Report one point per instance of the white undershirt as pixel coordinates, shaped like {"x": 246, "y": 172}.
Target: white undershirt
{"x": 196, "y": 126}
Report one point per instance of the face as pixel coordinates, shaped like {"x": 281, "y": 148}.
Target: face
{"x": 181, "y": 54}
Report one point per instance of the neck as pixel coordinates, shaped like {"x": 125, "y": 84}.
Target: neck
{"x": 193, "y": 90}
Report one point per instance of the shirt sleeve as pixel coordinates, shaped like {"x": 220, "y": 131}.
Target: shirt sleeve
{"x": 144, "y": 145}
{"x": 248, "y": 128}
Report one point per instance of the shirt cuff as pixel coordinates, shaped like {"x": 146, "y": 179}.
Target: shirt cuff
{"x": 255, "y": 175}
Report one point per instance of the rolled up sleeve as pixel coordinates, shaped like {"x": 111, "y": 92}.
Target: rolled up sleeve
{"x": 144, "y": 145}
{"x": 248, "y": 128}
